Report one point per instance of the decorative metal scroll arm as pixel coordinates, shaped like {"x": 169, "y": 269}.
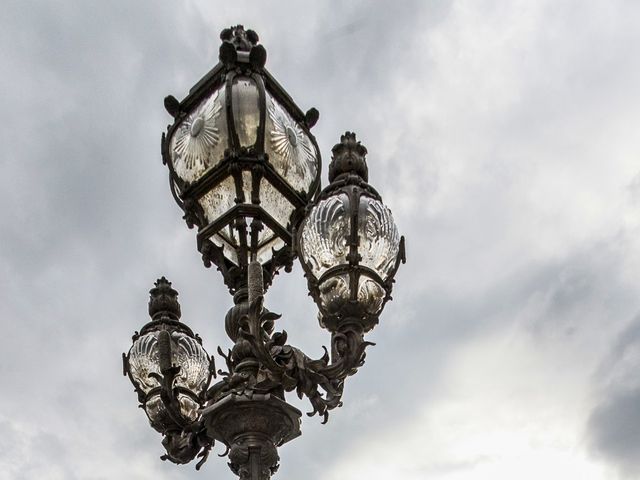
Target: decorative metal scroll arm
{"x": 288, "y": 367}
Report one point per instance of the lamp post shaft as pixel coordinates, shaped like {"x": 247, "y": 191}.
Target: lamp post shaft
{"x": 255, "y": 280}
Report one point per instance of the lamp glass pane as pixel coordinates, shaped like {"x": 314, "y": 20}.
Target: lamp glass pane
{"x": 274, "y": 203}
{"x": 247, "y": 183}
{"x": 218, "y": 200}
{"x": 143, "y": 360}
{"x": 198, "y": 143}
{"x": 378, "y": 235}
{"x": 229, "y": 250}
{"x": 325, "y": 234}
{"x": 334, "y": 293}
{"x": 160, "y": 419}
{"x": 370, "y": 295}
{"x": 265, "y": 251}
{"x": 193, "y": 361}
{"x": 291, "y": 151}
{"x": 245, "y": 103}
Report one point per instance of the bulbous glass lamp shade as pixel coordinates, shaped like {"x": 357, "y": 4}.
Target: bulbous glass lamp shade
{"x": 348, "y": 243}
{"x": 350, "y": 248}
{"x": 242, "y": 162}
{"x": 187, "y": 369}
{"x": 191, "y": 381}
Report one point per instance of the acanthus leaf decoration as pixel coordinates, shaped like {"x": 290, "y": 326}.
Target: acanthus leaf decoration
{"x": 284, "y": 365}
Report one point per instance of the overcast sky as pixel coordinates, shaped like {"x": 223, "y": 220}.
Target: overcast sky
{"x": 505, "y": 137}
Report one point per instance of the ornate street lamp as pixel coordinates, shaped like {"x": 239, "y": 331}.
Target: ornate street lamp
{"x": 245, "y": 169}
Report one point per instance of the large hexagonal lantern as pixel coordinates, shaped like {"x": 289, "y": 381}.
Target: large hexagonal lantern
{"x": 242, "y": 161}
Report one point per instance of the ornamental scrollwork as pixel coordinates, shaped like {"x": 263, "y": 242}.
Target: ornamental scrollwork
{"x": 283, "y": 366}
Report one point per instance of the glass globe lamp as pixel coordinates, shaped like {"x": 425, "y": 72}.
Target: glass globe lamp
{"x": 348, "y": 243}
{"x": 167, "y": 365}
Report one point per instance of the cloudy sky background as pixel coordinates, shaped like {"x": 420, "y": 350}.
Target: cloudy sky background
{"x": 503, "y": 135}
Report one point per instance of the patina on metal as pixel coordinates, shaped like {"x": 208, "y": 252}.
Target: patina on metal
{"x": 251, "y": 187}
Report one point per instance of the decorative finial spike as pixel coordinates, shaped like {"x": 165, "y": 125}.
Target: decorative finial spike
{"x": 163, "y": 301}
{"x": 348, "y": 156}
{"x": 243, "y": 40}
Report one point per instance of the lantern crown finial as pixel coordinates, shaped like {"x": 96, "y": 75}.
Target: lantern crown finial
{"x": 348, "y": 156}
{"x": 240, "y": 45}
{"x": 163, "y": 301}
{"x": 242, "y": 40}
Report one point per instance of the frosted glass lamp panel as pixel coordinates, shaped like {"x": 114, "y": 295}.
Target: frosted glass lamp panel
{"x": 247, "y": 185}
{"x": 370, "y": 295}
{"x": 290, "y": 149}
{"x": 160, "y": 419}
{"x": 199, "y": 142}
{"x": 325, "y": 235}
{"x": 334, "y": 293}
{"x": 143, "y": 360}
{"x": 275, "y": 204}
{"x": 265, "y": 252}
{"x": 193, "y": 361}
{"x": 157, "y": 413}
{"x": 188, "y": 407}
{"x": 245, "y": 102}
{"x": 379, "y": 241}
{"x": 227, "y": 248}
{"x": 218, "y": 200}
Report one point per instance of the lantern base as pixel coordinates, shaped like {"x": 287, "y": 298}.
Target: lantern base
{"x": 252, "y": 427}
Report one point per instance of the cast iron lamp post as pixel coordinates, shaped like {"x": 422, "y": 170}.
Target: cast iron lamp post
{"x": 245, "y": 169}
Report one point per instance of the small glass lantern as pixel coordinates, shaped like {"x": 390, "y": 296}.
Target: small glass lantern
{"x": 167, "y": 365}
{"x": 348, "y": 243}
{"x": 243, "y": 163}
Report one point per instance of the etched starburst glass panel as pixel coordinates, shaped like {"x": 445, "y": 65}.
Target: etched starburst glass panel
{"x": 193, "y": 361}
{"x": 275, "y": 204}
{"x": 198, "y": 143}
{"x": 370, "y": 295}
{"x": 245, "y": 102}
{"x": 143, "y": 360}
{"x": 219, "y": 199}
{"x": 379, "y": 239}
{"x": 334, "y": 293}
{"x": 325, "y": 234}
{"x": 290, "y": 150}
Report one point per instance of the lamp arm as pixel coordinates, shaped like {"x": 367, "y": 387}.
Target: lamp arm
{"x": 287, "y": 366}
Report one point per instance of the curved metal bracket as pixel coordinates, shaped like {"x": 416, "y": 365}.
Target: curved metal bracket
{"x": 285, "y": 366}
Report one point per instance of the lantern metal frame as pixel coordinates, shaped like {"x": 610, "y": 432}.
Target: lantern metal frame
{"x": 246, "y": 408}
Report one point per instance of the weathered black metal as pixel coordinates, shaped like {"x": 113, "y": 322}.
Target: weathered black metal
{"x": 246, "y": 409}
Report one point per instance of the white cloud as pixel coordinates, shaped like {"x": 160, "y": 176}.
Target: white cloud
{"x": 505, "y": 408}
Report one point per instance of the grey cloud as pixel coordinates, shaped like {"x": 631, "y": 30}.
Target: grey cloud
{"x": 88, "y": 223}
{"x": 614, "y": 424}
